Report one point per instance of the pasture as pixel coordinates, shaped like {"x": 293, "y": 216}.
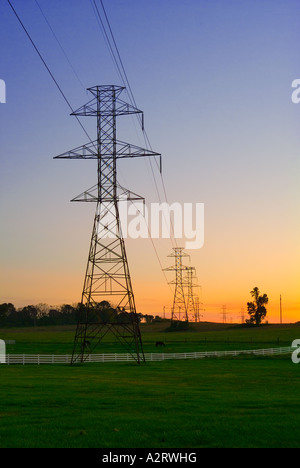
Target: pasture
{"x": 236, "y": 402}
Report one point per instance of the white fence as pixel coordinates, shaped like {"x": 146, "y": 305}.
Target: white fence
{"x": 66, "y": 358}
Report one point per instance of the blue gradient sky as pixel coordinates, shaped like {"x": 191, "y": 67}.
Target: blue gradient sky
{"x": 214, "y": 80}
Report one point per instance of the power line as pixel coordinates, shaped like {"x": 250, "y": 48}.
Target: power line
{"x": 128, "y": 87}
{"x": 59, "y": 43}
{"x": 124, "y": 78}
{"x": 120, "y": 69}
{"x": 105, "y": 36}
{"x": 155, "y": 250}
{"x": 47, "y": 68}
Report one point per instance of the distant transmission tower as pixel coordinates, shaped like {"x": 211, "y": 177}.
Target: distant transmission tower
{"x": 191, "y": 299}
{"x": 242, "y": 315}
{"x": 107, "y": 274}
{"x": 179, "y": 308}
{"x": 224, "y": 313}
{"x": 198, "y": 309}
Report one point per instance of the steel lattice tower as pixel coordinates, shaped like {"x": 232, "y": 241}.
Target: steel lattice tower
{"x": 179, "y": 301}
{"x": 191, "y": 303}
{"x": 107, "y": 275}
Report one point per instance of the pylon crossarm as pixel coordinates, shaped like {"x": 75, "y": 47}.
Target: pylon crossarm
{"x": 123, "y": 150}
{"x": 91, "y": 109}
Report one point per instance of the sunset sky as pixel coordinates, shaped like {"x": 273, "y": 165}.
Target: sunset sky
{"x": 214, "y": 79}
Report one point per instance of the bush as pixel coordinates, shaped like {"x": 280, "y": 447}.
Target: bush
{"x": 178, "y": 326}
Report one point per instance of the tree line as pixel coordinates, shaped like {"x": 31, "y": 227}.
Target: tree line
{"x": 42, "y": 315}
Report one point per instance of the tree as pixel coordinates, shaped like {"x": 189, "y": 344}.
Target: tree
{"x": 148, "y": 318}
{"x": 29, "y": 315}
{"x": 256, "y": 309}
{"x": 6, "y": 311}
{"x": 104, "y": 312}
{"x": 68, "y": 313}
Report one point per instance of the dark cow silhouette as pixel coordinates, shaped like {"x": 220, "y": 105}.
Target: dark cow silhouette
{"x": 159, "y": 343}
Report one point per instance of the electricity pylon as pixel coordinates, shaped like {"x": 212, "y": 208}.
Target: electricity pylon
{"x": 107, "y": 273}
{"x": 224, "y": 313}
{"x": 179, "y": 303}
{"x": 198, "y": 309}
{"x": 190, "y": 285}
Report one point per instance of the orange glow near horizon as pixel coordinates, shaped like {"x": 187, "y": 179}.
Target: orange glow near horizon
{"x": 223, "y": 121}
{"x": 220, "y": 272}
{"x": 152, "y": 297}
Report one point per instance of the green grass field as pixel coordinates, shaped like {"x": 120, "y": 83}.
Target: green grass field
{"x": 203, "y": 337}
{"x": 237, "y": 402}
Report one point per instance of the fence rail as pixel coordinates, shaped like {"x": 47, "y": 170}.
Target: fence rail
{"x": 66, "y": 358}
